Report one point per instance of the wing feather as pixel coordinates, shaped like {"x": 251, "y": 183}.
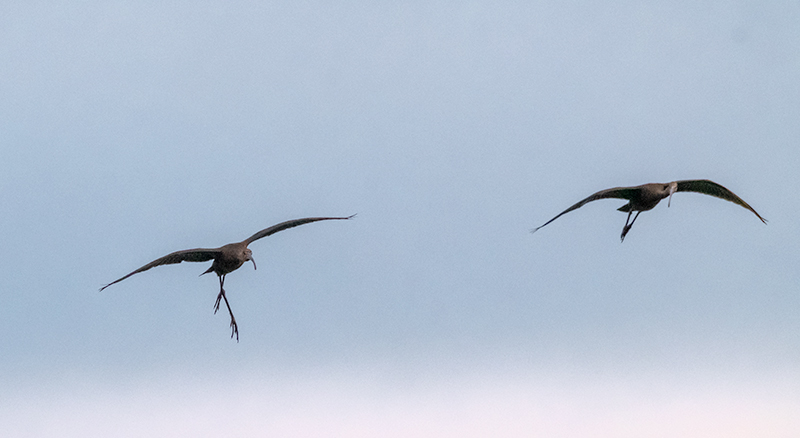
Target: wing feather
{"x": 616, "y": 192}
{"x": 711, "y": 188}
{"x": 186, "y": 255}
{"x": 289, "y": 224}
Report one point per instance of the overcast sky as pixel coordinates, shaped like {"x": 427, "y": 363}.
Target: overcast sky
{"x": 129, "y": 130}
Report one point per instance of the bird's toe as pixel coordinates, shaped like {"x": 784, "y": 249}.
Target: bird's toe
{"x": 234, "y": 330}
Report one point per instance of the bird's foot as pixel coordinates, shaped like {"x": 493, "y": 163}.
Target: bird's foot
{"x": 216, "y": 304}
{"x": 624, "y": 233}
{"x": 234, "y": 329}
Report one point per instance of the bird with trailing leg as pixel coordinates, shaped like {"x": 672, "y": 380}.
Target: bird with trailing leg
{"x": 646, "y": 196}
{"x": 227, "y": 259}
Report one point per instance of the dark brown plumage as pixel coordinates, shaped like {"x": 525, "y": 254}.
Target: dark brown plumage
{"x": 646, "y": 196}
{"x": 227, "y": 259}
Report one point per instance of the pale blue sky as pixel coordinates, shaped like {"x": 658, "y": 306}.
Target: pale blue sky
{"x": 130, "y": 130}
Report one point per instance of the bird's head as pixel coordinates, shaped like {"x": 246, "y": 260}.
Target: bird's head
{"x": 248, "y": 255}
{"x": 673, "y": 187}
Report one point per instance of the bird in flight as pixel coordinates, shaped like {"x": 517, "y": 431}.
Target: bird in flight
{"x": 227, "y": 259}
{"x": 646, "y": 196}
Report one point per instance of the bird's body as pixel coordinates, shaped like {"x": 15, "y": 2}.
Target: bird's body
{"x": 227, "y": 259}
{"x": 646, "y": 196}
{"x": 230, "y": 258}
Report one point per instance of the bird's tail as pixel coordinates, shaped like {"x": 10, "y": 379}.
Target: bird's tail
{"x": 626, "y": 208}
{"x": 210, "y": 269}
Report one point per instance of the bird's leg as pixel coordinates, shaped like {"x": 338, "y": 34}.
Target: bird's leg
{"x": 624, "y": 229}
{"x": 628, "y": 226}
{"x": 234, "y": 327}
{"x": 221, "y": 293}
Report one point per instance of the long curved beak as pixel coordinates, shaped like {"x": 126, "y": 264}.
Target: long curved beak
{"x": 254, "y": 262}
{"x": 673, "y": 187}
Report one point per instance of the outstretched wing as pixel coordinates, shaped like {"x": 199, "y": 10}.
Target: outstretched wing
{"x": 616, "y": 192}
{"x": 187, "y": 255}
{"x": 289, "y": 224}
{"x": 708, "y": 187}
